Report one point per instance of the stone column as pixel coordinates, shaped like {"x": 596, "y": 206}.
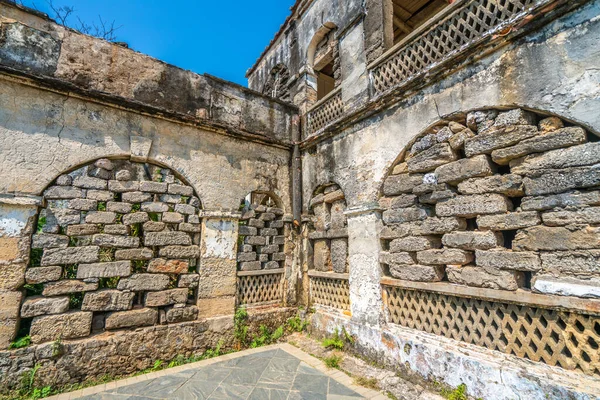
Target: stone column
{"x": 218, "y": 264}
{"x": 364, "y": 225}
{"x": 17, "y": 218}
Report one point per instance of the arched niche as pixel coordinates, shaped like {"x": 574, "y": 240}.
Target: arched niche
{"x": 323, "y": 60}
{"x": 116, "y": 247}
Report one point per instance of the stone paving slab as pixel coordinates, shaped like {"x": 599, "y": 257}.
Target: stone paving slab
{"x": 278, "y": 372}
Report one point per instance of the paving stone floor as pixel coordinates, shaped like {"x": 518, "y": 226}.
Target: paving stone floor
{"x": 271, "y": 374}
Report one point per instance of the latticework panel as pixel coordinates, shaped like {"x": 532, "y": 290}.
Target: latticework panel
{"x": 325, "y": 113}
{"x": 331, "y": 292}
{"x": 565, "y": 339}
{"x": 256, "y": 289}
{"x": 465, "y": 26}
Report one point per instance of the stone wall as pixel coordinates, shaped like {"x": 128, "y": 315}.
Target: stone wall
{"x": 115, "y": 354}
{"x": 116, "y": 247}
{"x": 501, "y": 200}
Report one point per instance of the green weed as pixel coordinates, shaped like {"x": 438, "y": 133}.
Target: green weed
{"x": 240, "y": 323}
{"x": 20, "y": 342}
{"x": 333, "y": 361}
{"x": 460, "y": 393}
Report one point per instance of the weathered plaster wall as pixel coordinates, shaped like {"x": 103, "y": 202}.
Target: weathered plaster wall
{"x": 359, "y": 157}
{"x": 44, "y": 134}
{"x": 36, "y": 46}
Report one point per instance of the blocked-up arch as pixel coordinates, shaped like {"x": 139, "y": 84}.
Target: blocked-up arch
{"x": 116, "y": 246}
{"x": 493, "y": 203}
{"x": 261, "y": 249}
{"x": 328, "y": 236}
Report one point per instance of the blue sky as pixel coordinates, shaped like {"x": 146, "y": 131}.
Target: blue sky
{"x": 222, "y": 38}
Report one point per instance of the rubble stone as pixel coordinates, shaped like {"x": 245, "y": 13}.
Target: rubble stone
{"x": 589, "y": 215}
{"x": 444, "y": 257}
{"x": 180, "y": 252}
{"x": 87, "y": 182}
{"x": 510, "y": 185}
{"x": 400, "y": 215}
{"x": 83, "y": 229}
{"x": 485, "y": 277}
{"x": 70, "y": 325}
{"x": 166, "y": 297}
{"x": 101, "y": 217}
{"x": 144, "y": 282}
{"x": 67, "y": 287}
{"x": 118, "y": 207}
{"x": 485, "y": 143}
{"x": 70, "y": 255}
{"x": 104, "y": 270}
{"x": 39, "y": 305}
{"x": 48, "y": 240}
{"x": 104, "y": 240}
{"x": 465, "y": 168}
{"x": 555, "y": 140}
{"x": 43, "y": 274}
{"x": 414, "y": 243}
{"x": 83, "y": 204}
{"x": 508, "y": 222}
{"x": 107, "y": 300}
{"x": 471, "y": 240}
{"x": 164, "y": 266}
{"x": 575, "y": 156}
{"x": 473, "y": 205}
{"x": 557, "y": 238}
{"x": 417, "y": 273}
{"x": 131, "y": 319}
{"x": 585, "y": 263}
{"x": 431, "y": 158}
{"x": 560, "y": 201}
{"x": 183, "y": 314}
{"x": 188, "y": 281}
{"x": 403, "y": 183}
{"x": 508, "y": 260}
{"x": 167, "y": 238}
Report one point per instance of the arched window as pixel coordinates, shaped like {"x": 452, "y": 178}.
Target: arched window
{"x": 323, "y": 59}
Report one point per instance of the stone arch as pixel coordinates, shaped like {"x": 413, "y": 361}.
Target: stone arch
{"x": 277, "y": 83}
{"x": 472, "y": 201}
{"x": 116, "y": 246}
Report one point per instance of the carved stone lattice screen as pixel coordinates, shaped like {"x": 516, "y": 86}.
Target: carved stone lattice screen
{"x": 558, "y": 338}
{"x": 262, "y": 288}
{"x": 261, "y": 255}
{"x": 466, "y": 25}
{"x": 329, "y": 291}
{"x": 328, "y": 266}
{"x": 329, "y": 110}
{"x": 116, "y": 247}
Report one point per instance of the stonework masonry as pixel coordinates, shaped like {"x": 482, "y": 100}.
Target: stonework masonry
{"x": 440, "y": 203}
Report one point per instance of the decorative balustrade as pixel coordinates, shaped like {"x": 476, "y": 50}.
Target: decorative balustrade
{"x": 260, "y": 287}
{"x": 330, "y": 289}
{"x": 326, "y": 111}
{"x": 456, "y": 30}
{"x": 566, "y": 339}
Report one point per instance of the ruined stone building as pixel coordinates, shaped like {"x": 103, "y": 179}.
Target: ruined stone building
{"x": 424, "y": 174}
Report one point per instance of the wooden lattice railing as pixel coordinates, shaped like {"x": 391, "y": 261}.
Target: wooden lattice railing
{"x": 326, "y": 111}
{"x": 566, "y": 339}
{"x": 330, "y": 289}
{"x": 457, "y": 30}
{"x": 260, "y": 287}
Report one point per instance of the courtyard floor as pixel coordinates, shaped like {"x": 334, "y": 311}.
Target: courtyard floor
{"x": 275, "y": 372}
